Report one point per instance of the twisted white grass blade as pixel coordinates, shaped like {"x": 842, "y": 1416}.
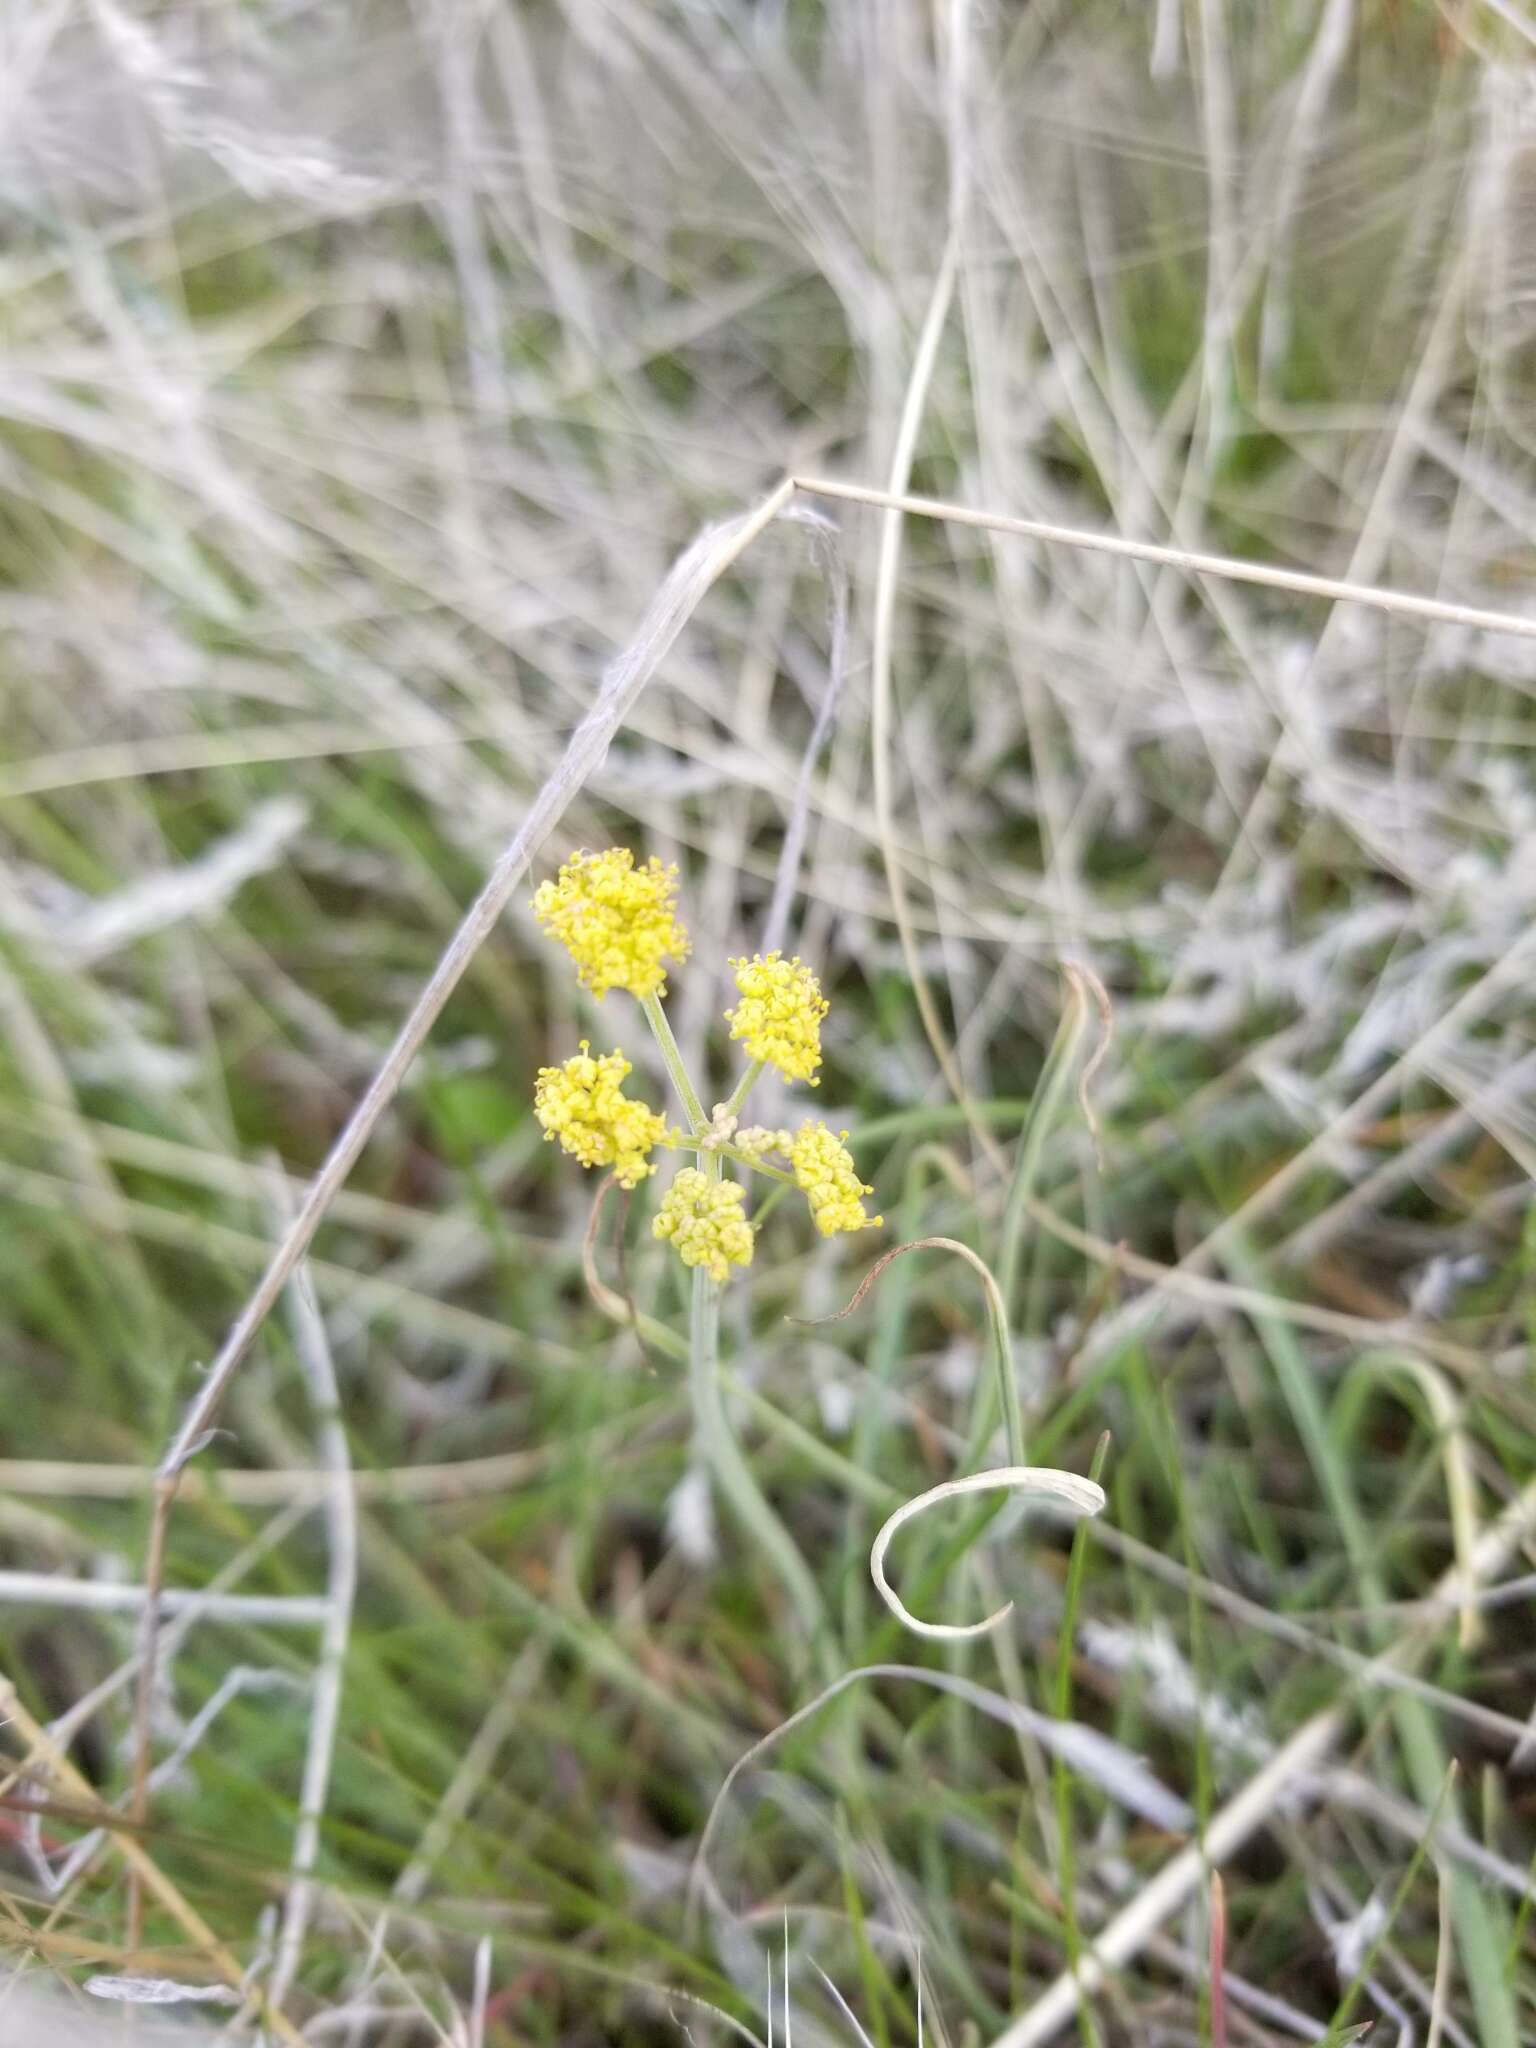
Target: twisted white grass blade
{"x": 1172, "y": 1690}
{"x": 159, "y": 1991}
{"x": 1122, "y": 1776}
{"x": 1040, "y": 1482}
{"x": 199, "y": 888}
{"x": 33, "y": 2010}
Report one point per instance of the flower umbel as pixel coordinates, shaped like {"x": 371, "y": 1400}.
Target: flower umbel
{"x": 825, "y": 1170}
{"x": 756, "y": 1141}
{"x": 705, "y": 1221}
{"x": 583, "y": 1104}
{"x": 779, "y": 1014}
{"x": 618, "y": 922}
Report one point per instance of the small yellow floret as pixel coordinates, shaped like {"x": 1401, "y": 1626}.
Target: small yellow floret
{"x": 583, "y": 1104}
{"x": 705, "y": 1221}
{"x": 825, "y": 1170}
{"x": 618, "y": 922}
{"x": 779, "y": 1014}
{"x": 756, "y": 1141}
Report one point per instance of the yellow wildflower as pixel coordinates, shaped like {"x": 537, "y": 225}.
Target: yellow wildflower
{"x": 618, "y": 922}
{"x": 583, "y": 1104}
{"x": 757, "y": 1141}
{"x": 825, "y": 1170}
{"x": 779, "y": 1014}
{"x": 705, "y": 1221}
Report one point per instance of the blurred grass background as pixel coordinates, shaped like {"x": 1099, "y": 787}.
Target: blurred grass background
{"x": 364, "y": 368}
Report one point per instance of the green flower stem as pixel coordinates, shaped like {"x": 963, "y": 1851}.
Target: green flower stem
{"x": 729, "y": 1469}
{"x": 744, "y": 1087}
{"x": 1050, "y": 1095}
{"x": 661, "y": 1031}
{"x": 707, "y": 1148}
{"x": 745, "y": 1159}
{"x": 765, "y": 1208}
{"x": 717, "y": 1446}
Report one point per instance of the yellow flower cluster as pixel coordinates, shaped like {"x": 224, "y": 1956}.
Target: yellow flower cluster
{"x": 583, "y": 1104}
{"x": 827, "y": 1176}
{"x": 756, "y": 1141}
{"x": 706, "y": 1223}
{"x": 779, "y": 1014}
{"x": 618, "y": 922}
